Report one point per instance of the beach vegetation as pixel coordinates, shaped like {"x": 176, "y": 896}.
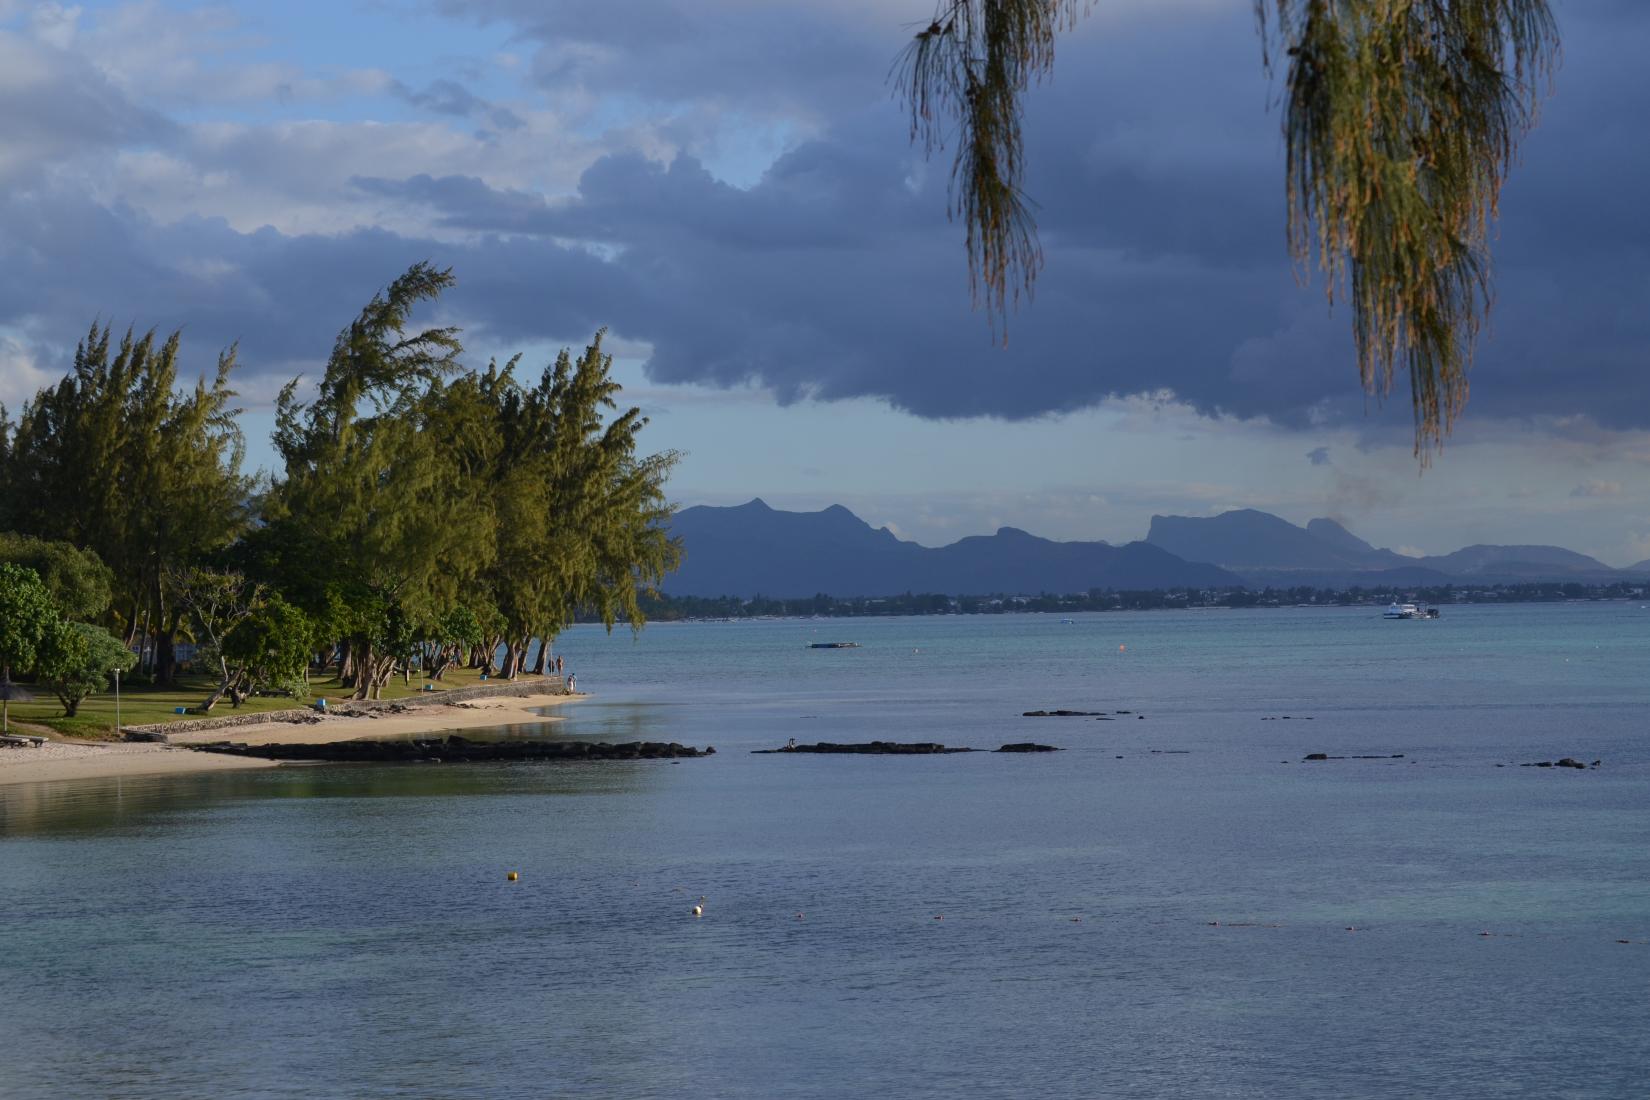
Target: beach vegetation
{"x": 77, "y": 581}
{"x": 428, "y": 516}
{"x": 77, "y": 659}
{"x": 121, "y": 460}
{"x": 27, "y": 617}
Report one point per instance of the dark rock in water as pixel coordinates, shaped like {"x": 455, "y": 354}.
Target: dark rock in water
{"x": 1359, "y": 756}
{"x": 1027, "y": 746}
{"x": 1061, "y": 714}
{"x": 1570, "y": 762}
{"x": 455, "y": 750}
{"x": 869, "y": 748}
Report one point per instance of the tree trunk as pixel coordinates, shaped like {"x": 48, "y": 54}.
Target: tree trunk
{"x": 544, "y": 655}
{"x": 146, "y": 656}
{"x": 381, "y": 676}
{"x": 346, "y": 664}
{"x": 213, "y": 699}
{"x": 363, "y": 669}
{"x": 166, "y": 658}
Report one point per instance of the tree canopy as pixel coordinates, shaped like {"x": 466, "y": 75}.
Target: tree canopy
{"x": 426, "y": 512}
{"x": 121, "y": 460}
{"x": 436, "y": 502}
{"x": 26, "y": 617}
{"x": 1402, "y": 119}
{"x": 76, "y": 579}
{"x": 77, "y": 659}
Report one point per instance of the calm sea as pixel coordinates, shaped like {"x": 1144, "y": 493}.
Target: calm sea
{"x": 348, "y": 931}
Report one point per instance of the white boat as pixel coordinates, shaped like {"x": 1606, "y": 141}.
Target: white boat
{"x": 1408, "y": 611}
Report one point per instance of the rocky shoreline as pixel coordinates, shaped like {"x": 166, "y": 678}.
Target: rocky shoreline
{"x": 895, "y": 748}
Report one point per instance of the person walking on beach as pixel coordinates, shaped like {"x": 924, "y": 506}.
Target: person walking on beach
{"x": 571, "y": 680}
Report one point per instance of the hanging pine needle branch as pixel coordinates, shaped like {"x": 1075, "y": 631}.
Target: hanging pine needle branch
{"x": 1402, "y": 121}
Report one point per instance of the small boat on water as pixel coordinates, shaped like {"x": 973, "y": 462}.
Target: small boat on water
{"x": 1409, "y": 611}
{"x": 833, "y": 645}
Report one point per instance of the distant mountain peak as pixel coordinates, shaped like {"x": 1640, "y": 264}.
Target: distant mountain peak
{"x": 1335, "y": 534}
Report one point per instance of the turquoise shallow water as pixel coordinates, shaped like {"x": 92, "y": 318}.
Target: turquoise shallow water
{"x": 347, "y": 931}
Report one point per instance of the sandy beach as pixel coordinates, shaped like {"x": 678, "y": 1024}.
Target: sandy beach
{"x": 60, "y": 760}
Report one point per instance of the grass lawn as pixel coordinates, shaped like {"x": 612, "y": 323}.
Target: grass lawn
{"x": 142, "y": 705}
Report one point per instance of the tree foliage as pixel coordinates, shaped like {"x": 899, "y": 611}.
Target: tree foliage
{"x": 426, "y": 512}
{"x": 26, "y": 616}
{"x": 1402, "y": 120}
{"x": 378, "y": 514}
{"x": 78, "y": 582}
{"x": 444, "y": 508}
{"x": 271, "y": 645}
{"x": 121, "y": 460}
{"x": 77, "y": 659}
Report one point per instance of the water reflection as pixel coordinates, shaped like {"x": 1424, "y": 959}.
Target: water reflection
{"x": 99, "y": 805}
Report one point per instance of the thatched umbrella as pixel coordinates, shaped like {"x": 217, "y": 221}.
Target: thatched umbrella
{"x": 8, "y": 693}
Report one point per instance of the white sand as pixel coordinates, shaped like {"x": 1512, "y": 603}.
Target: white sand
{"x": 58, "y": 760}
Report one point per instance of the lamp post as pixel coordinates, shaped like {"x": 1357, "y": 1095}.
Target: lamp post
{"x": 117, "y": 700}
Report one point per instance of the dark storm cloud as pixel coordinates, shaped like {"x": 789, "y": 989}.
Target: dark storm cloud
{"x": 1155, "y": 162}
{"x": 1157, "y": 169}
{"x": 282, "y": 297}
{"x": 837, "y": 274}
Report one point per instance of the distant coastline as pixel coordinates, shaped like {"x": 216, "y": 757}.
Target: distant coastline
{"x": 667, "y": 608}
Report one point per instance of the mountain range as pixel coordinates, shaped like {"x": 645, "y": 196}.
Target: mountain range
{"x": 752, "y": 549}
{"x": 1265, "y": 549}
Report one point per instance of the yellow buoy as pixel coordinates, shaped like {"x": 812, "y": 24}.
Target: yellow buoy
{"x": 511, "y": 876}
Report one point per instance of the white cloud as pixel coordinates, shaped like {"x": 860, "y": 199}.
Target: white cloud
{"x": 21, "y": 375}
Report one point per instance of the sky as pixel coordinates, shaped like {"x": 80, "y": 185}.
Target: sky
{"x": 728, "y": 187}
